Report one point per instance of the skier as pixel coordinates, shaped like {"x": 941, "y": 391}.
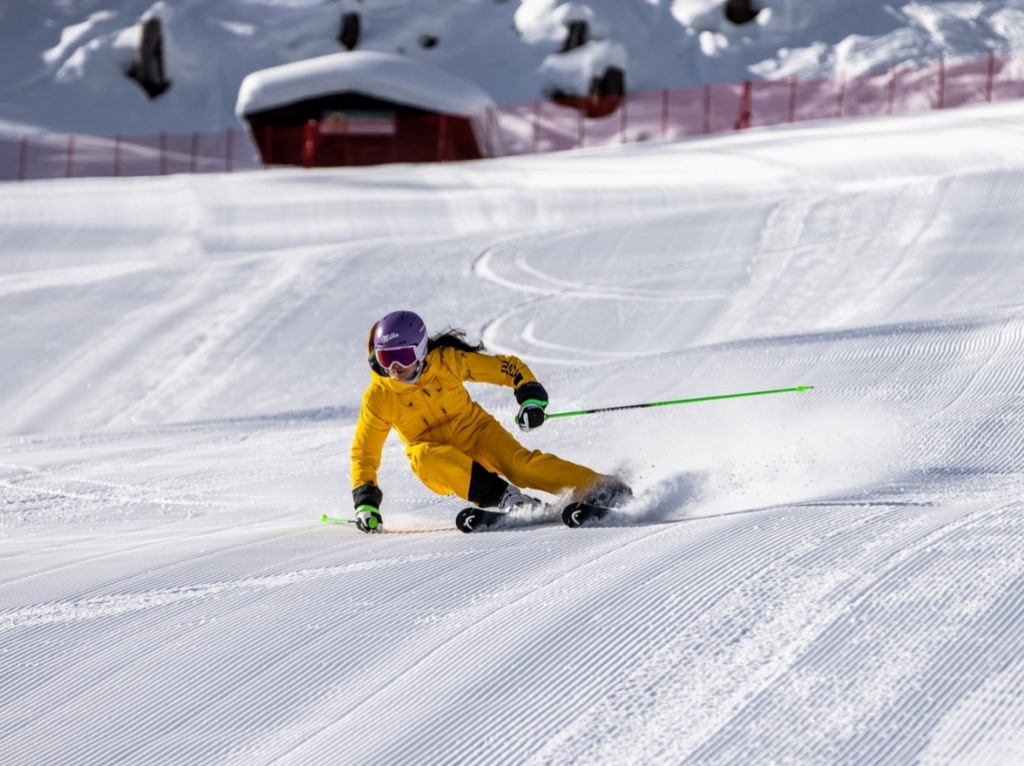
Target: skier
{"x": 454, "y": 446}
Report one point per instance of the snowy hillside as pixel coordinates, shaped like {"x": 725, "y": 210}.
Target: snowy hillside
{"x": 831, "y": 577}
{"x": 827, "y": 577}
{"x": 63, "y": 64}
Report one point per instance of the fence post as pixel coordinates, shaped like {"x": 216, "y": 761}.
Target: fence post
{"x": 707, "y": 109}
{"x": 309, "y": 143}
{"x": 70, "y": 171}
{"x": 991, "y": 75}
{"x": 664, "y": 113}
{"x": 193, "y": 164}
{"x": 942, "y": 83}
{"x": 891, "y": 98}
{"x": 163, "y": 153}
{"x": 268, "y": 145}
{"x": 497, "y": 141}
{"x": 488, "y": 128}
{"x": 117, "y": 156}
{"x": 536, "y": 127}
{"x": 581, "y": 129}
{"x": 624, "y": 122}
{"x": 229, "y": 146}
{"x": 23, "y": 159}
{"x": 743, "y": 118}
{"x": 841, "y": 95}
{"x": 442, "y": 136}
{"x": 792, "y": 99}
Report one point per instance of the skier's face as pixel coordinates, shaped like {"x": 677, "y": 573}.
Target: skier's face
{"x": 403, "y": 374}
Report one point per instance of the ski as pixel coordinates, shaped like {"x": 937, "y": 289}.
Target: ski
{"x": 577, "y": 514}
{"x": 474, "y": 519}
{"x": 477, "y": 519}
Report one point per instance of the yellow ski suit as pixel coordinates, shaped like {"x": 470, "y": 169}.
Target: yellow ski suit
{"x": 445, "y": 431}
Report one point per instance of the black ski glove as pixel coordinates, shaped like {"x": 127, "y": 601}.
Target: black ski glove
{"x": 368, "y": 519}
{"x": 531, "y": 414}
{"x": 367, "y": 498}
{"x": 532, "y": 400}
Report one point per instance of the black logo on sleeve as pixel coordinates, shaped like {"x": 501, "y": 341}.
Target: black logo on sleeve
{"x": 511, "y": 371}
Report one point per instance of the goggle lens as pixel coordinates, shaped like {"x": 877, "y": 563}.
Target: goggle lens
{"x": 403, "y": 357}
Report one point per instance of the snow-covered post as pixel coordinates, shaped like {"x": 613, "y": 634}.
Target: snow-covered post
{"x": 148, "y": 67}
{"x": 351, "y": 27}
{"x": 741, "y": 11}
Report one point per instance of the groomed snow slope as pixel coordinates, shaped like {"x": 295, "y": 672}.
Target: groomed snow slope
{"x": 828, "y": 577}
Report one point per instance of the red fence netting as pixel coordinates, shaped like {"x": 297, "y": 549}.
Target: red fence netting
{"x": 539, "y": 126}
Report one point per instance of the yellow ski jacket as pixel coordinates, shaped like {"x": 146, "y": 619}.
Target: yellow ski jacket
{"x": 436, "y": 408}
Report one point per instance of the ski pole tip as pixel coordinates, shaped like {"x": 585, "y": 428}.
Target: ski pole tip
{"x": 801, "y": 389}
{"x": 324, "y": 517}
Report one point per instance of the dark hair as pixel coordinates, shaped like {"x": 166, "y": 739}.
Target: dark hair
{"x": 453, "y": 338}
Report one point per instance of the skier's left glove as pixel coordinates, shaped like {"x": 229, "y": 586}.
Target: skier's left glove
{"x": 531, "y": 414}
{"x": 532, "y": 400}
{"x": 368, "y": 519}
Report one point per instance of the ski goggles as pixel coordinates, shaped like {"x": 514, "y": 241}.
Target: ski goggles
{"x": 403, "y": 356}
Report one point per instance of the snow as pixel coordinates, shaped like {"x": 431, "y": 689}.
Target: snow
{"x": 63, "y": 64}
{"x": 824, "y": 577}
{"x": 384, "y": 76}
{"x": 832, "y": 576}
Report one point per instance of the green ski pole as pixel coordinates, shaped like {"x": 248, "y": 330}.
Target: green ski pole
{"x": 335, "y": 520}
{"x": 799, "y": 389}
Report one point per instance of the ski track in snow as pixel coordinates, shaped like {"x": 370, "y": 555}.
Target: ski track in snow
{"x": 828, "y": 577}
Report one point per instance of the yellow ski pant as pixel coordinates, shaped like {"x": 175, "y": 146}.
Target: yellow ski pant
{"x": 446, "y": 468}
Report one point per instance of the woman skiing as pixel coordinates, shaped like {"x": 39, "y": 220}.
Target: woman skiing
{"x": 453, "y": 444}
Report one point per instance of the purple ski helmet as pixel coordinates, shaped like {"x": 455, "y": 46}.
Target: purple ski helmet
{"x": 400, "y": 338}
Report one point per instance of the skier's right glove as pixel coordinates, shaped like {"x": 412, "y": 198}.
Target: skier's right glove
{"x": 367, "y": 498}
{"x": 368, "y": 519}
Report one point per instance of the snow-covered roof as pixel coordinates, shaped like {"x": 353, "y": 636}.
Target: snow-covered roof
{"x": 380, "y": 75}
